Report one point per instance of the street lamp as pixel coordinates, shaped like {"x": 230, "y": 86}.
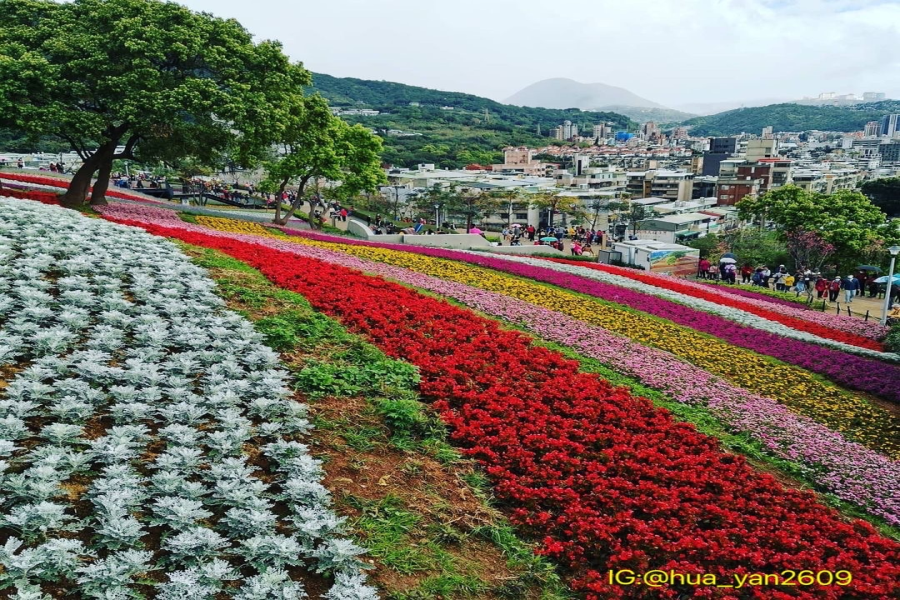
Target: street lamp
{"x": 894, "y": 250}
{"x": 437, "y": 216}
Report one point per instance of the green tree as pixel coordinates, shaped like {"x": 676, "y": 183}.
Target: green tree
{"x": 141, "y": 80}
{"x": 314, "y": 144}
{"x": 462, "y": 202}
{"x": 506, "y": 200}
{"x": 553, "y": 201}
{"x": 846, "y": 219}
{"x": 885, "y": 194}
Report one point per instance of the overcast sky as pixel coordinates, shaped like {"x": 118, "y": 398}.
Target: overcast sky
{"x": 669, "y": 51}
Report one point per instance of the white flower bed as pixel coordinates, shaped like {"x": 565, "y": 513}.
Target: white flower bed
{"x": 127, "y": 429}
{"x": 732, "y": 314}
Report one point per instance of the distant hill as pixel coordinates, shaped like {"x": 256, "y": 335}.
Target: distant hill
{"x": 642, "y": 115}
{"x": 568, "y": 93}
{"x": 792, "y": 117}
{"x": 455, "y": 129}
{"x": 711, "y": 108}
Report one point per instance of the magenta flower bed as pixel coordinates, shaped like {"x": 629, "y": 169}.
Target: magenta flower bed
{"x": 848, "y": 470}
{"x": 855, "y": 372}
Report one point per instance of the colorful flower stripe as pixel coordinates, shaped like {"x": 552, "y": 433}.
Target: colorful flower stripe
{"x": 756, "y": 292}
{"x": 860, "y": 421}
{"x": 606, "y": 480}
{"x": 39, "y": 196}
{"x": 756, "y": 318}
{"x": 232, "y": 225}
{"x": 788, "y": 315}
{"x": 852, "y": 415}
{"x": 855, "y": 372}
{"x": 850, "y": 471}
{"x": 64, "y": 183}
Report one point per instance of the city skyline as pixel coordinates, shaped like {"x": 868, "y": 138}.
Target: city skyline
{"x": 691, "y": 52}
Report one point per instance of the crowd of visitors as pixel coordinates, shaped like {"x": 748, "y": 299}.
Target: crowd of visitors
{"x": 812, "y": 283}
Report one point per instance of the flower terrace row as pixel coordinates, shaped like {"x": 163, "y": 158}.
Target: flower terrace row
{"x": 794, "y": 316}
{"x": 132, "y": 399}
{"x": 848, "y": 470}
{"x": 854, "y": 417}
{"x": 49, "y": 183}
{"x": 603, "y": 478}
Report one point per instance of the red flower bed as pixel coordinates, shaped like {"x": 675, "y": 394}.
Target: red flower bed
{"x": 42, "y": 197}
{"x": 792, "y": 322}
{"x": 604, "y": 479}
{"x": 64, "y": 183}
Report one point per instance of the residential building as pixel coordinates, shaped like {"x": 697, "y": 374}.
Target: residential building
{"x": 873, "y": 96}
{"x": 674, "y": 185}
{"x": 557, "y": 133}
{"x": 704, "y": 186}
{"x": 757, "y": 149}
{"x": 890, "y": 153}
{"x": 890, "y": 125}
{"x": 720, "y": 149}
{"x": 675, "y": 228}
{"x": 730, "y": 192}
{"x": 680, "y": 133}
{"x": 767, "y": 133}
{"x": 601, "y": 132}
{"x": 681, "y": 207}
{"x": 650, "y": 130}
{"x": 637, "y": 184}
{"x": 872, "y": 129}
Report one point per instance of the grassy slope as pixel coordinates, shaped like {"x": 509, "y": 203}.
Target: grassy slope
{"x": 423, "y": 511}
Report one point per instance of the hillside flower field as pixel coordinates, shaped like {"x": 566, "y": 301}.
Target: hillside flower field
{"x": 597, "y": 476}
{"x": 133, "y": 401}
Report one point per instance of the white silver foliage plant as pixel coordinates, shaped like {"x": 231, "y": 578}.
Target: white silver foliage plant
{"x": 140, "y": 394}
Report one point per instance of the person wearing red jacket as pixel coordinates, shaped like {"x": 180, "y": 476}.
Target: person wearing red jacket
{"x": 704, "y": 269}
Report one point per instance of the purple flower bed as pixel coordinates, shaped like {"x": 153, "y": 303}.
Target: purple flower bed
{"x": 855, "y": 372}
{"x": 848, "y": 470}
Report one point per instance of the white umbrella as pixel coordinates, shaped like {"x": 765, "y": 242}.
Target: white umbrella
{"x": 729, "y": 261}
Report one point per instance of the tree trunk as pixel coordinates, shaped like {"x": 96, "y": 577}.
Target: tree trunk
{"x": 81, "y": 182}
{"x": 278, "y": 198}
{"x": 98, "y": 194}
{"x": 297, "y": 203}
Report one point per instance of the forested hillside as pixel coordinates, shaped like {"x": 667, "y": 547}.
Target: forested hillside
{"x": 456, "y": 129}
{"x": 792, "y": 117}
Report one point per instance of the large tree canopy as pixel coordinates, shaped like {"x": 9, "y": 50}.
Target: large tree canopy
{"x": 846, "y": 219}
{"x": 885, "y": 194}
{"x": 139, "y": 79}
{"x": 314, "y": 144}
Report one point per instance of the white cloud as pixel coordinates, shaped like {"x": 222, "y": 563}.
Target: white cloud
{"x": 670, "y": 52}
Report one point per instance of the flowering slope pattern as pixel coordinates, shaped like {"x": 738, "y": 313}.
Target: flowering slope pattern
{"x": 603, "y": 478}
{"x": 133, "y": 398}
{"x": 795, "y": 317}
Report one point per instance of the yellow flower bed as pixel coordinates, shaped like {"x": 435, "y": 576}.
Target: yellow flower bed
{"x": 232, "y": 225}
{"x": 794, "y": 387}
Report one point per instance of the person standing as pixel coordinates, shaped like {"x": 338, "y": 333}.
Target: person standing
{"x": 821, "y": 287}
{"x": 703, "y": 272}
{"x": 746, "y": 273}
{"x": 788, "y": 282}
{"x": 766, "y": 274}
{"x": 833, "y": 289}
{"x": 851, "y": 286}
